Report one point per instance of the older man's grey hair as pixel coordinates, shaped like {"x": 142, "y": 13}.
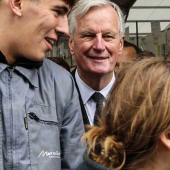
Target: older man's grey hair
{"x": 83, "y": 6}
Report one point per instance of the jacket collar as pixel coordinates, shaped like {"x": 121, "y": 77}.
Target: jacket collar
{"x": 22, "y": 62}
{"x": 27, "y": 68}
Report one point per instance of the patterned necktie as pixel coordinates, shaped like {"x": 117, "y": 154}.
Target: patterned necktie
{"x": 98, "y": 98}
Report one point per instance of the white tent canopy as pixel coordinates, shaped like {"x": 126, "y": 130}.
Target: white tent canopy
{"x": 148, "y": 10}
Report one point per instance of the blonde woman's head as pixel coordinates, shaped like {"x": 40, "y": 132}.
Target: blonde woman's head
{"x": 135, "y": 116}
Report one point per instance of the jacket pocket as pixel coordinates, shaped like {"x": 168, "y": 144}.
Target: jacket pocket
{"x": 44, "y": 136}
{"x": 50, "y": 122}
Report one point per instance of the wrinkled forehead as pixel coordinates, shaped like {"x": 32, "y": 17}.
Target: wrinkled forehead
{"x": 93, "y": 19}
{"x": 107, "y": 8}
{"x": 105, "y": 14}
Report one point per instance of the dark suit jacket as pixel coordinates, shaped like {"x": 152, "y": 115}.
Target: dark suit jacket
{"x": 84, "y": 113}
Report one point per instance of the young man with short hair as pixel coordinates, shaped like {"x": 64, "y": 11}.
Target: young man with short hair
{"x": 40, "y": 118}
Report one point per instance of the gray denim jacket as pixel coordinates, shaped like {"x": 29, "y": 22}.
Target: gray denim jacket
{"x": 40, "y": 119}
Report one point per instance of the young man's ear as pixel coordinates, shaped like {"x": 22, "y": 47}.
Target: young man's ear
{"x": 165, "y": 139}
{"x": 16, "y": 6}
{"x": 71, "y": 44}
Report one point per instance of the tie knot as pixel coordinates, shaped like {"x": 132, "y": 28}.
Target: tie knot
{"x": 98, "y": 97}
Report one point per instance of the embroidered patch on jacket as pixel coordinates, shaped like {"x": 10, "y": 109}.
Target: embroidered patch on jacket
{"x": 55, "y": 154}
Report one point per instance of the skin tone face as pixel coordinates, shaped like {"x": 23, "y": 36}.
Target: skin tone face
{"x": 97, "y": 44}
{"x": 40, "y": 24}
{"x": 128, "y": 54}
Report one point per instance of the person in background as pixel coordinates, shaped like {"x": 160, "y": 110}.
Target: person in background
{"x": 134, "y": 131}
{"x": 97, "y": 34}
{"x": 130, "y": 52}
{"x": 60, "y": 62}
{"x": 40, "y": 117}
{"x": 145, "y": 54}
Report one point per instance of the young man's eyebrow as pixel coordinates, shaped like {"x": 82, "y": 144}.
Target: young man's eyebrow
{"x": 62, "y": 8}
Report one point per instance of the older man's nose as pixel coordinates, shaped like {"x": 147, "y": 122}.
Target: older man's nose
{"x": 99, "y": 44}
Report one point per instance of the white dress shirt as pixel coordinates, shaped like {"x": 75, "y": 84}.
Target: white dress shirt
{"x": 86, "y": 92}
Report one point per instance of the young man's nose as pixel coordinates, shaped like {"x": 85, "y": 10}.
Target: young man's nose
{"x": 62, "y": 26}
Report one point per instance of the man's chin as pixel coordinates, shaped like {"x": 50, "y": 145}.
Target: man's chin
{"x": 100, "y": 72}
{"x": 37, "y": 58}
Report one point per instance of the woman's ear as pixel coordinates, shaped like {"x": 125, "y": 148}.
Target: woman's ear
{"x": 71, "y": 45}
{"x": 165, "y": 139}
{"x": 16, "y": 6}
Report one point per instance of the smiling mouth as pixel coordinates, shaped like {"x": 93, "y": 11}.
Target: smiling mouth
{"x": 98, "y": 58}
{"x": 50, "y": 41}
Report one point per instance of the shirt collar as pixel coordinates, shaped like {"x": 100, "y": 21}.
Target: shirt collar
{"x": 86, "y": 91}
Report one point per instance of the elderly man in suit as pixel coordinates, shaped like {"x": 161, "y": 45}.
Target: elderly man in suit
{"x": 97, "y": 35}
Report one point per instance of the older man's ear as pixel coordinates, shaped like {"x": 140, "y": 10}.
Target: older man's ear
{"x": 121, "y": 45}
{"x": 71, "y": 44}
